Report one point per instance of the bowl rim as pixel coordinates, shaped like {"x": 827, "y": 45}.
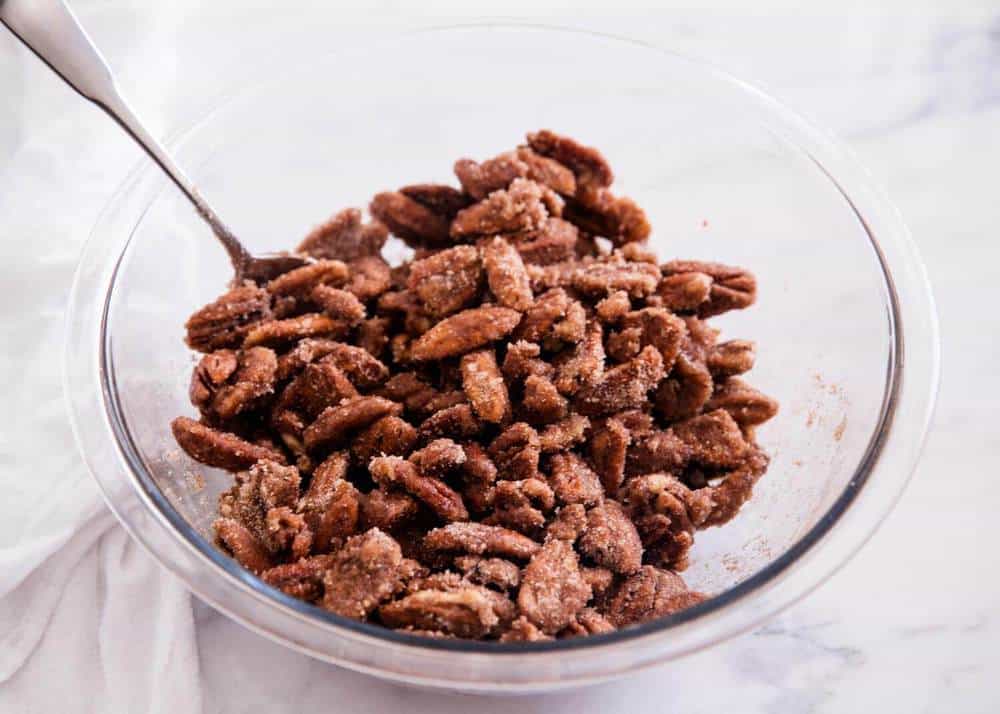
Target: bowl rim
{"x": 242, "y": 580}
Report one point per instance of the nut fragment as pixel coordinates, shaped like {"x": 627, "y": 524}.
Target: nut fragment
{"x": 446, "y": 281}
{"x": 611, "y": 540}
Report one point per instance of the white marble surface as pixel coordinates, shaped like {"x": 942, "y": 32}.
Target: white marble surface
{"x": 912, "y": 624}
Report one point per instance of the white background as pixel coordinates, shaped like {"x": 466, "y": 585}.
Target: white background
{"x": 911, "y": 625}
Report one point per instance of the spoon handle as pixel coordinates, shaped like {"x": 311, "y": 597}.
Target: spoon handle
{"x": 52, "y": 32}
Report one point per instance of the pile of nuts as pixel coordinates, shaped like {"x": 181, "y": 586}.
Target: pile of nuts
{"x": 514, "y": 435}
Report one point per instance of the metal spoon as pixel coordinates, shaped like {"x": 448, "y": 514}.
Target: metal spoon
{"x": 51, "y": 31}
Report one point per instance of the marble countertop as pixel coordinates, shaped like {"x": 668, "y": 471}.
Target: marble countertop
{"x": 914, "y": 90}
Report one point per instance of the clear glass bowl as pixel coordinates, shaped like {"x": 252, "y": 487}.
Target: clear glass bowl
{"x": 845, "y": 322}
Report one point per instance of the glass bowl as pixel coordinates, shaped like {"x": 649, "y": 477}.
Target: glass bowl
{"x": 845, "y": 321}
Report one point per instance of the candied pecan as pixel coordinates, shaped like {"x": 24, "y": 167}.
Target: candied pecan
{"x": 587, "y": 163}
{"x": 588, "y": 622}
{"x": 614, "y": 307}
{"x": 552, "y": 589}
{"x": 212, "y": 372}
{"x": 599, "y": 579}
{"x": 521, "y": 207}
{"x": 439, "y": 198}
{"x": 280, "y": 332}
{"x": 318, "y": 386}
{"x": 484, "y": 386}
{"x": 617, "y": 218}
{"x": 542, "y": 403}
{"x": 649, "y": 594}
{"x": 287, "y": 532}
{"x": 227, "y": 320}
{"x": 573, "y": 481}
{"x": 464, "y": 332}
{"x": 713, "y": 439}
{"x": 464, "y": 610}
{"x": 409, "y": 219}
{"x": 373, "y": 336}
{"x": 501, "y": 574}
{"x": 480, "y": 179}
{"x": 521, "y": 630}
{"x": 583, "y": 366}
{"x": 609, "y": 444}
{"x": 563, "y": 434}
{"x": 568, "y": 524}
{"x": 366, "y": 572}
{"x": 657, "y": 451}
{"x": 548, "y": 171}
{"x": 611, "y": 540}
{"x": 344, "y": 237}
{"x": 622, "y": 387}
{"x": 521, "y": 505}
{"x": 370, "y": 276}
{"x": 728, "y": 359}
{"x": 685, "y": 390}
{"x": 455, "y": 422}
{"x": 442, "y": 499}
{"x": 666, "y": 513}
{"x": 330, "y": 504}
{"x": 481, "y": 539}
{"x": 302, "y": 579}
{"x": 299, "y": 283}
{"x": 624, "y": 344}
{"x": 277, "y": 484}
{"x": 305, "y": 352}
{"x": 448, "y": 280}
{"x": 554, "y": 318}
{"x": 555, "y": 241}
{"x": 219, "y": 448}
{"x": 553, "y": 275}
{"x": 357, "y": 363}
{"x": 659, "y": 328}
{"x": 684, "y": 292}
{"x": 736, "y": 488}
{"x": 506, "y": 275}
{"x": 243, "y": 545}
{"x": 731, "y": 288}
{"x": 389, "y": 436}
{"x": 339, "y": 304}
{"x": 523, "y": 360}
{"x": 745, "y": 405}
{"x": 438, "y": 458}
{"x": 335, "y": 424}
{"x": 516, "y": 451}
{"x": 701, "y": 338}
{"x": 478, "y": 476}
{"x": 387, "y": 509}
{"x": 409, "y": 389}
{"x": 613, "y": 274}
{"x": 243, "y": 390}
